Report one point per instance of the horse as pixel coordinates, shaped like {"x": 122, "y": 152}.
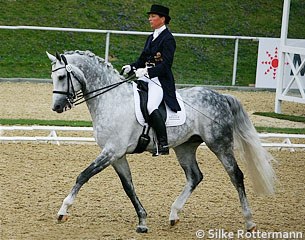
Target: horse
{"x": 218, "y": 120}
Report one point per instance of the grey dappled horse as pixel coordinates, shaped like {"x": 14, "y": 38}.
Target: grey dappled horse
{"x": 216, "y": 119}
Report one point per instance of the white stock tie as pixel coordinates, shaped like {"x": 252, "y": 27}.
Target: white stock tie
{"x": 155, "y": 35}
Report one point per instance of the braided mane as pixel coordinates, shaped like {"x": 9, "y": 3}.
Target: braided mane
{"x": 92, "y": 55}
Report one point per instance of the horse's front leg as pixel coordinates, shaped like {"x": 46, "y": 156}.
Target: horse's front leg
{"x": 121, "y": 166}
{"x": 100, "y": 163}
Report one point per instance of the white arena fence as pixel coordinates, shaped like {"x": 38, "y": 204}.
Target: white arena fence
{"x": 270, "y": 140}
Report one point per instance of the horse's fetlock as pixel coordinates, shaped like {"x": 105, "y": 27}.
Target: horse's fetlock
{"x": 142, "y": 214}
{"x": 68, "y": 201}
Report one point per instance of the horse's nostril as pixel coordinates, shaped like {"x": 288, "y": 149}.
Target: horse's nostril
{"x": 56, "y": 108}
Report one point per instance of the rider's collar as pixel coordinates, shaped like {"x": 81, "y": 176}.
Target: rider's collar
{"x": 158, "y": 31}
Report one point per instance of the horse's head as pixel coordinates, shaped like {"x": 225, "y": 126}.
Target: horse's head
{"x": 67, "y": 81}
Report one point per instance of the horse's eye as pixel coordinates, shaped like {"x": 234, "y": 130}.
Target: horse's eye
{"x": 61, "y": 77}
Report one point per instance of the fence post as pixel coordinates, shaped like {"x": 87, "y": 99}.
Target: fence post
{"x": 235, "y": 62}
{"x": 283, "y": 42}
{"x": 107, "y": 46}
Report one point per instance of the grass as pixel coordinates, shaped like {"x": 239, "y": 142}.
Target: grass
{"x": 197, "y": 61}
{"x": 30, "y": 122}
{"x": 281, "y": 116}
{"x": 281, "y": 130}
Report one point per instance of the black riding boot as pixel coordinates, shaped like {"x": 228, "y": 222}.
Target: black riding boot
{"x": 157, "y": 123}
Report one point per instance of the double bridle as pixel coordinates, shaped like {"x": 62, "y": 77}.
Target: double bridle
{"x": 71, "y": 95}
{"x": 76, "y": 98}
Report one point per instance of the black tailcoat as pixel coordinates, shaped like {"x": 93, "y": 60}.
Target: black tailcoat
{"x": 161, "y": 52}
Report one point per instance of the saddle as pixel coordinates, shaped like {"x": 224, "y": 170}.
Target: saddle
{"x": 170, "y": 118}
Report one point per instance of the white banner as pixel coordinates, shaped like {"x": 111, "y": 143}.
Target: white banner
{"x": 267, "y": 63}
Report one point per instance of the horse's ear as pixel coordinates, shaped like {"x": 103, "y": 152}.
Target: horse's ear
{"x": 51, "y": 57}
{"x": 58, "y": 56}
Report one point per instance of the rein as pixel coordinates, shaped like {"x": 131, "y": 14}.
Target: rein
{"x": 78, "y": 98}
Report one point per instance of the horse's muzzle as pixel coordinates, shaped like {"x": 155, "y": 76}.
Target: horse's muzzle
{"x": 62, "y": 108}
{"x": 58, "y": 108}
{"x": 61, "y": 105}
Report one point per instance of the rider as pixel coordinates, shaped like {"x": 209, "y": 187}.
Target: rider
{"x": 154, "y": 67}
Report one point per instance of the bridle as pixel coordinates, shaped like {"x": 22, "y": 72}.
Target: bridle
{"x": 76, "y": 98}
{"x": 71, "y": 95}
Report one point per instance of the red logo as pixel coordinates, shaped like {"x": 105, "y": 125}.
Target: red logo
{"x": 272, "y": 63}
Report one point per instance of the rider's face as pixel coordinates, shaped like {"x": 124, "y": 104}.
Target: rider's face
{"x": 156, "y": 21}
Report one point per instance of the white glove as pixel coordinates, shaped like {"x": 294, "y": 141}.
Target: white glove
{"x": 126, "y": 69}
{"x": 140, "y": 72}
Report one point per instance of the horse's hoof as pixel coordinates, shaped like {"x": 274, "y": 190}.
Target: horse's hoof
{"x": 174, "y": 222}
{"x": 253, "y": 229}
{"x": 62, "y": 218}
{"x": 142, "y": 229}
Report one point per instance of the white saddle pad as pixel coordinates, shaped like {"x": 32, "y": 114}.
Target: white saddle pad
{"x": 172, "y": 119}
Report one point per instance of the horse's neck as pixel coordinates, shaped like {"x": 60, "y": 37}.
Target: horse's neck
{"x": 105, "y": 104}
{"x": 100, "y": 78}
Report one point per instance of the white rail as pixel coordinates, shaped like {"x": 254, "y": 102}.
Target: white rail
{"x": 277, "y": 140}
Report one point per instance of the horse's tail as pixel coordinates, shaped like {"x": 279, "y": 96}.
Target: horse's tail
{"x": 257, "y": 158}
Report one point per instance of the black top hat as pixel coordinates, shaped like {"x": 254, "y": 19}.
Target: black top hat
{"x": 160, "y": 10}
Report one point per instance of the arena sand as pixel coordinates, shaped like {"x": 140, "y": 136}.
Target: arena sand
{"x": 35, "y": 178}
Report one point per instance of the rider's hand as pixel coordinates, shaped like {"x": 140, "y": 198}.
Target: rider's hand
{"x": 126, "y": 69}
{"x": 140, "y": 72}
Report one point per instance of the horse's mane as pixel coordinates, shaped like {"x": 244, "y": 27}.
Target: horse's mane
{"x": 92, "y": 55}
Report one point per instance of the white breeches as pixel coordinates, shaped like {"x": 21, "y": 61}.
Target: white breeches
{"x": 155, "y": 93}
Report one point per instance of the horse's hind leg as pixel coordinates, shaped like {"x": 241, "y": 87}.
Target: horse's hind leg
{"x": 186, "y": 154}
{"x": 122, "y": 168}
{"x": 237, "y": 178}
